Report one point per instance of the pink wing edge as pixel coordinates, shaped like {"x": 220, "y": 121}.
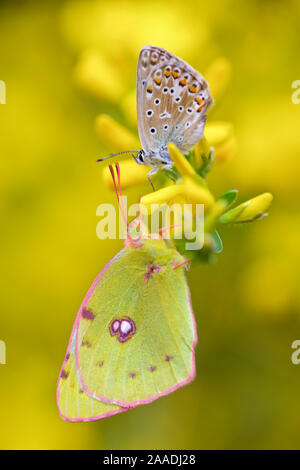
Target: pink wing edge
{"x": 76, "y": 323}
{"x": 134, "y": 404}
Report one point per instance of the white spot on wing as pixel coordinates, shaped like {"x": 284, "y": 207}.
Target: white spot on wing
{"x": 125, "y": 327}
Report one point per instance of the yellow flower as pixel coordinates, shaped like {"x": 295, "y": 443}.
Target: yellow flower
{"x": 218, "y": 76}
{"x": 128, "y": 168}
{"x": 220, "y": 135}
{"x": 192, "y": 189}
{"x": 104, "y": 68}
{"x": 248, "y": 211}
{"x": 116, "y": 136}
{"x": 97, "y": 75}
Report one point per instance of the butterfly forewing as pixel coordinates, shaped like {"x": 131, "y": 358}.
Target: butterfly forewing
{"x": 136, "y": 335}
{"x": 172, "y": 99}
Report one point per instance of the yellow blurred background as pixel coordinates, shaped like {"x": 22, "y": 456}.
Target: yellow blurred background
{"x": 246, "y": 394}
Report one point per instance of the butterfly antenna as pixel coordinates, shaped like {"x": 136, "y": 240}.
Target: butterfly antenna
{"x": 139, "y": 215}
{"x": 120, "y": 194}
{"x": 114, "y": 181}
{"x": 116, "y": 154}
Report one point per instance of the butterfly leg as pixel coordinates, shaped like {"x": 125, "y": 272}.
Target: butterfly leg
{"x": 185, "y": 263}
{"x": 151, "y": 172}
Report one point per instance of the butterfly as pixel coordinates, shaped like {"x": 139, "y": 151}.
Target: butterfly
{"x": 134, "y": 336}
{"x": 172, "y": 100}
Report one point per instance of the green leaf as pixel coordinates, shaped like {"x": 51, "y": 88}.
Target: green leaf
{"x": 217, "y": 242}
{"x": 230, "y": 216}
{"x": 207, "y": 162}
{"x": 228, "y": 197}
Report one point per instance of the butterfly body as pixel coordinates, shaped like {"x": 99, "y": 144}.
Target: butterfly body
{"x": 172, "y": 100}
{"x": 159, "y": 159}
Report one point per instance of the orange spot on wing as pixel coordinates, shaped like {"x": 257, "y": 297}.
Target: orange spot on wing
{"x": 167, "y": 73}
{"x": 149, "y": 89}
{"x": 199, "y": 100}
{"x": 200, "y": 108}
{"x": 192, "y": 89}
{"x": 175, "y": 74}
{"x": 183, "y": 82}
{"x": 157, "y": 80}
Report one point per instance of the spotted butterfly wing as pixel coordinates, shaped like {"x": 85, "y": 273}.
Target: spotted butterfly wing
{"x": 172, "y": 99}
{"x": 136, "y": 333}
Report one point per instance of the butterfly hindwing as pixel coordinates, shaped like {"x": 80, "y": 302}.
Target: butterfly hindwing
{"x": 172, "y": 99}
{"x": 136, "y": 333}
